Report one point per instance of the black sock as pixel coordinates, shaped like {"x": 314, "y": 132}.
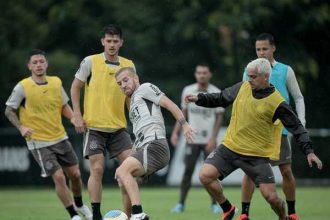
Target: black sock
{"x": 291, "y": 207}
{"x": 96, "y": 207}
{"x": 245, "y": 207}
{"x": 78, "y": 201}
{"x": 226, "y": 206}
{"x": 136, "y": 209}
{"x": 71, "y": 211}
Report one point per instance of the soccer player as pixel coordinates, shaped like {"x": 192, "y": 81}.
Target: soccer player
{"x": 201, "y": 119}
{"x": 284, "y": 80}
{"x": 253, "y": 136}
{"x": 41, "y": 101}
{"x": 151, "y": 151}
{"x": 104, "y": 122}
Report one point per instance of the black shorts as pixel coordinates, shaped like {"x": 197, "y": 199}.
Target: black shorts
{"x": 285, "y": 152}
{"x": 192, "y": 153}
{"x": 153, "y": 156}
{"x": 54, "y": 157}
{"x": 227, "y": 161}
{"x": 96, "y": 142}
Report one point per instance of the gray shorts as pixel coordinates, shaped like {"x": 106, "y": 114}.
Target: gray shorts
{"x": 97, "y": 142}
{"x": 54, "y": 157}
{"x": 153, "y": 156}
{"x": 285, "y": 152}
{"x": 227, "y": 161}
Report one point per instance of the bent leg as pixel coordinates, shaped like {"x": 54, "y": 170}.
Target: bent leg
{"x": 74, "y": 175}
{"x": 268, "y": 191}
{"x": 96, "y": 163}
{"x": 61, "y": 188}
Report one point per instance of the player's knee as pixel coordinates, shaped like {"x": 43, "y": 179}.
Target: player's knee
{"x": 204, "y": 177}
{"x": 287, "y": 173}
{"x": 59, "y": 177}
{"x": 272, "y": 198}
{"x": 75, "y": 175}
{"x": 97, "y": 171}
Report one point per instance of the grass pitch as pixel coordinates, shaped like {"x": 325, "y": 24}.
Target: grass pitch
{"x": 42, "y": 204}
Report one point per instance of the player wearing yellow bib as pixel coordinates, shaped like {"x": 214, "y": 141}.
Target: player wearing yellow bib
{"x": 41, "y": 101}
{"x": 253, "y": 136}
{"x": 104, "y": 122}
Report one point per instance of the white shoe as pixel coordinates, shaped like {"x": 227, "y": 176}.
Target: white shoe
{"x": 141, "y": 216}
{"x": 76, "y": 217}
{"x": 84, "y": 210}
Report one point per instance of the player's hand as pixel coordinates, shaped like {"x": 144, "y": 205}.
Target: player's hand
{"x": 211, "y": 145}
{"x": 191, "y": 98}
{"x": 79, "y": 123}
{"x": 174, "y": 139}
{"x": 188, "y": 133}
{"x": 25, "y": 131}
{"x": 313, "y": 158}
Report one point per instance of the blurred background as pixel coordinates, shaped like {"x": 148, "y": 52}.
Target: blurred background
{"x": 166, "y": 39}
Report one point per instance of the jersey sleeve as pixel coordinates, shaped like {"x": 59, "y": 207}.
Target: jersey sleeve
{"x": 294, "y": 90}
{"x": 65, "y": 98}
{"x": 85, "y": 69}
{"x": 151, "y": 92}
{"x": 219, "y": 109}
{"x": 16, "y": 97}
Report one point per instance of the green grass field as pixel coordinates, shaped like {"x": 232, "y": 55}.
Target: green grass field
{"x": 33, "y": 204}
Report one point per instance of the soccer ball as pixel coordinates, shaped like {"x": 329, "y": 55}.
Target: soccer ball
{"x": 115, "y": 215}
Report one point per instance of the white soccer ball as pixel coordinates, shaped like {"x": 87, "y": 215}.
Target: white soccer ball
{"x": 115, "y": 215}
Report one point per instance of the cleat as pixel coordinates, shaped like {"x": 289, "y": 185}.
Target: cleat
{"x": 293, "y": 217}
{"x": 84, "y": 211}
{"x": 76, "y": 217}
{"x": 141, "y": 216}
{"x": 178, "y": 208}
{"x": 230, "y": 214}
{"x": 243, "y": 217}
{"x": 216, "y": 208}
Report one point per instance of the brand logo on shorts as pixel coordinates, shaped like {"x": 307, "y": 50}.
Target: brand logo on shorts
{"x": 93, "y": 145}
{"x": 211, "y": 155}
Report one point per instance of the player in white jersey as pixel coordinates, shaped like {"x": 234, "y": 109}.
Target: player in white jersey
{"x": 150, "y": 151}
{"x": 206, "y": 122}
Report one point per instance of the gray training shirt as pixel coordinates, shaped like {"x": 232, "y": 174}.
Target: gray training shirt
{"x": 146, "y": 116}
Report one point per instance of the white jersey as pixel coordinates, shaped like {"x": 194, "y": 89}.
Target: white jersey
{"x": 145, "y": 114}
{"x": 201, "y": 119}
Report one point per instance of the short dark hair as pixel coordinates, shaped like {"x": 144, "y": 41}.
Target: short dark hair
{"x": 35, "y": 52}
{"x": 203, "y": 64}
{"x": 266, "y": 36}
{"x": 112, "y": 29}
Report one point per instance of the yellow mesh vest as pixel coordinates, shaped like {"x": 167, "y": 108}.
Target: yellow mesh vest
{"x": 42, "y": 110}
{"x": 104, "y": 102}
{"x": 251, "y": 131}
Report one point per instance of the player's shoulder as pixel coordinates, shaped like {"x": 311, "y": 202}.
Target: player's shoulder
{"x": 125, "y": 61}
{"x": 213, "y": 89}
{"x": 190, "y": 88}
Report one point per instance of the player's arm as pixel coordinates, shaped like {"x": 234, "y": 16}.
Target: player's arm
{"x": 12, "y": 105}
{"x": 291, "y": 122}
{"x": 294, "y": 90}
{"x": 213, "y": 100}
{"x": 176, "y": 129}
{"x": 78, "y": 83}
{"x": 178, "y": 115}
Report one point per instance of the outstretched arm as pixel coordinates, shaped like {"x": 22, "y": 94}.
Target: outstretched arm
{"x": 178, "y": 115}
{"x": 212, "y": 100}
{"x": 291, "y": 122}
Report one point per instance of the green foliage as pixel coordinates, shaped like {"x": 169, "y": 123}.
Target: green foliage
{"x": 166, "y": 39}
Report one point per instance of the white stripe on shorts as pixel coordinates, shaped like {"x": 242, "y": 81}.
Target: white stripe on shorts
{"x": 86, "y": 141}
{"x": 145, "y": 158}
{"x": 43, "y": 171}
